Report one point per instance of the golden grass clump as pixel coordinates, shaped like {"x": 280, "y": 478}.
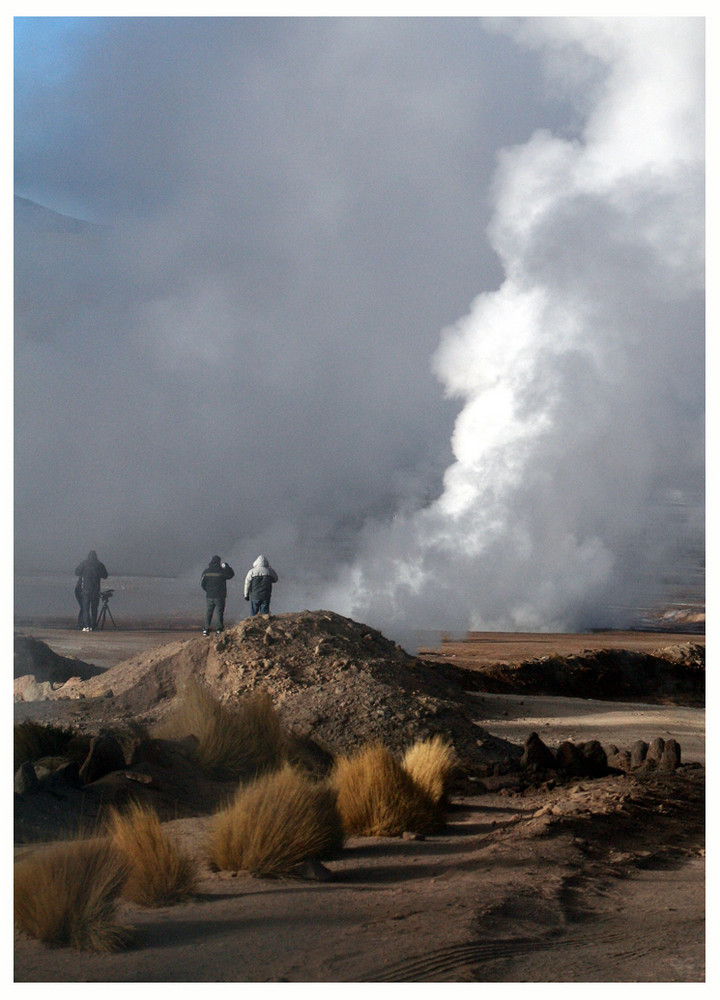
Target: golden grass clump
{"x": 276, "y": 822}
{"x": 241, "y": 740}
{"x": 160, "y": 873}
{"x": 67, "y": 895}
{"x": 430, "y": 764}
{"x": 378, "y": 798}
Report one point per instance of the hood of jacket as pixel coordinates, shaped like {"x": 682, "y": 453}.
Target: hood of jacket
{"x": 215, "y": 562}
{"x": 260, "y": 561}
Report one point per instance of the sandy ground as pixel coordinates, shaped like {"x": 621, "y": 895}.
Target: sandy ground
{"x": 598, "y": 881}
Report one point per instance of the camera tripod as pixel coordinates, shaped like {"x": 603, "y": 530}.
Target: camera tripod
{"x": 105, "y": 596}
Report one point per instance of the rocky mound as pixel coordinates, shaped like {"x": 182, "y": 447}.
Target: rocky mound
{"x": 332, "y": 679}
{"x": 673, "y": 674}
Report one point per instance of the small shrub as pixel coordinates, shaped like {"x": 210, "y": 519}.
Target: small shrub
{"x": 67, "y": 895}
{"x": 33, "y": 741}
{"x": 378, "y": 798}
{"x": 241, "y": 740}
{"x": 430, "y": 764}
{"x": 160, "y": 874}
{"x": 276, "y": 822}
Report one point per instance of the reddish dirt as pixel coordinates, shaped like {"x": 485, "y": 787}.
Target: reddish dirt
{"x": 479, "y": 649}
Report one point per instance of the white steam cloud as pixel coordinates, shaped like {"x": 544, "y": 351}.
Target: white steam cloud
{"x": 577, "y": 484}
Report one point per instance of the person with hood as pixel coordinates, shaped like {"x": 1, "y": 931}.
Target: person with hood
{"x": 214, "y": 582}
{"x": 258, "y": 586}
{"x": 90, "y": 571}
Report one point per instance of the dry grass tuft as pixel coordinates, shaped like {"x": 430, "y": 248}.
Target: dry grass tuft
{"x": 431, "y": 763}
{"x": 160, "y": 874}
{"x": 34, "y": 741}
{"x": 378, "y": 798}
{"x": 241, "y": 740}
{"x": 275, "y": 823}
{"x": 67, "y": 895}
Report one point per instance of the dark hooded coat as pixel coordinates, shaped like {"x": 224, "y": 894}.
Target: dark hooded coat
{"x": 91, "y": 571}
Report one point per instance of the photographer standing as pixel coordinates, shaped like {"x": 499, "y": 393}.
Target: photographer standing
{"x": 214, "y": 582}
{"x": 91, "y": 571}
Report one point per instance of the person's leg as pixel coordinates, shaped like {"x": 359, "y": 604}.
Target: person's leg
{"x": 254, "y": 607}
{"x": 209, "y": 609}
{"x": 94, "y": 611}
{"x": 86, "y": 610}
{"x": 220, "y": 605}
{"x": 264, "y": 607}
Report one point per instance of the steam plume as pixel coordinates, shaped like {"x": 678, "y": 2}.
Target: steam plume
{"x": 577, "y": 484}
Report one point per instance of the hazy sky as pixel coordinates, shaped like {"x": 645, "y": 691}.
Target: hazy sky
{"x": 414, "y": 306}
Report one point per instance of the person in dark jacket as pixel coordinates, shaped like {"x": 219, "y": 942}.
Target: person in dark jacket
{"x": 214, "y": 582}
{"x": 258, "y": 586}
{"x": 91, "y": 571}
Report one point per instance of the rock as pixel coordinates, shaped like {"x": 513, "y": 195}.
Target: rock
{"x": 570, "y": 760}
{"x": 670, "y": 759}
{"x": 105, "y": 755}
{"x": 140, "y": 776}
{"x": 306, "y": 752}
{"x": 620, "y": 760}
{"x": 26, "y": 780}
{"x": 68, "y": 775}
{"x": 497, "y": 782}
{"x": 595, "y": 758}
{"x": 536, "y": 755}
{"x": 117, "y": 789}
{"x": 26, "y": 688}
{"x": 655, "y": 750}
{"x": 638, "y": 752}
{"x": 312, "y": 869}
{"x": 163, "y": 753}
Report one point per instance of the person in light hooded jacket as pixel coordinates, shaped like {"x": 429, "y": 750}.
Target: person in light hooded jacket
{"x": 258, "y": 586}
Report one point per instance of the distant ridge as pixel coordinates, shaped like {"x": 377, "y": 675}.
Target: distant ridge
{"x": 30, "y": 215}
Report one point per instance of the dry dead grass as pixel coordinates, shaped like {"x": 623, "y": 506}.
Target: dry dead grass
{"x": 34, "y": 741}
{"x": 378, "y": 798}
{"x": 275, "y": 823}
{"x": 238, "y": 741}
{"x": 430, "y": 764}
{"x": 67, "y": 895}
{"x": 160, "y": 874}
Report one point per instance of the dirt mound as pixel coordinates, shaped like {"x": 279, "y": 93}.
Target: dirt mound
{"x": 35, "y": 658}
{"x": 332, "y": 679}
{"x": 672, "y": 674}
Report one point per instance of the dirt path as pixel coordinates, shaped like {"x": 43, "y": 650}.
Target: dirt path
{"x": 511, "y": 892}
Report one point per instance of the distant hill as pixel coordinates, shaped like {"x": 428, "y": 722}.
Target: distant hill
{"x": 29, "y": 216}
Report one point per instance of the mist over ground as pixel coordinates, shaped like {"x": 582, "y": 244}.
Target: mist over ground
{"x": 413, "y": 306}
